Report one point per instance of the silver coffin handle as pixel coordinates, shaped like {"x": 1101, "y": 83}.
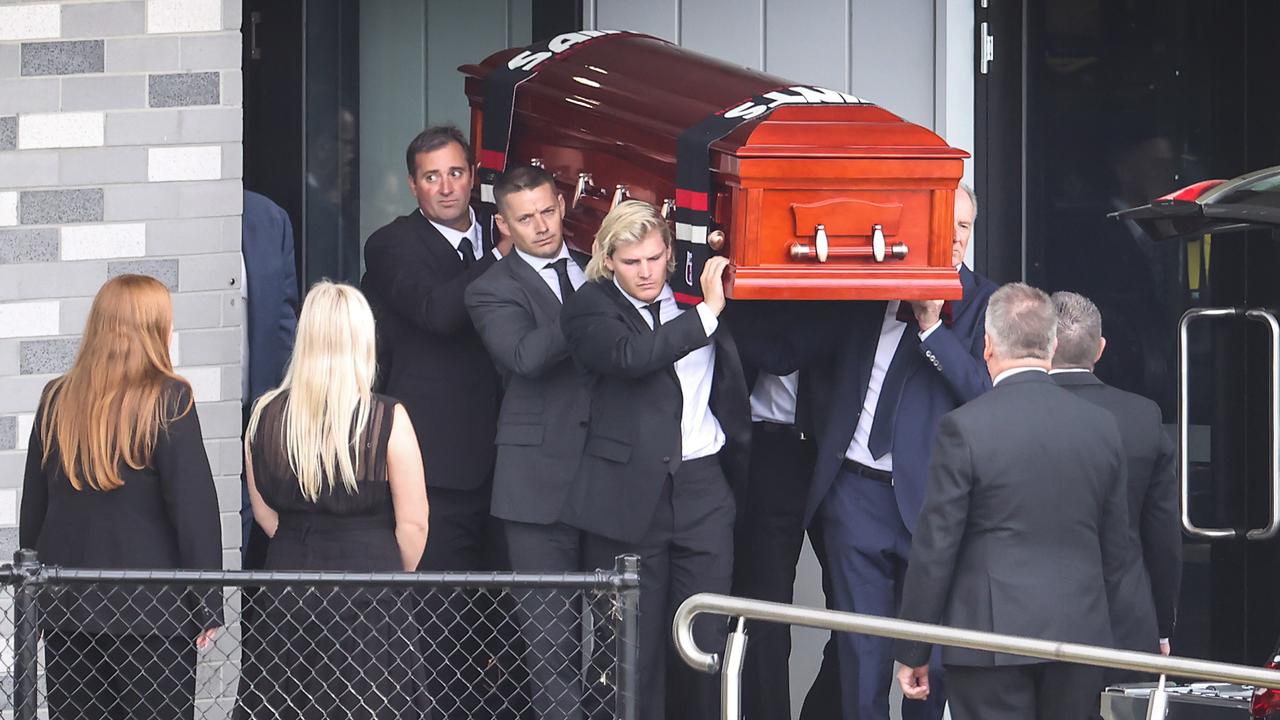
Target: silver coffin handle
{"x": 1273, "y": 406}
{"x": 820, "y": 242}
{"x": 1184, "y": 421}
{"x": 878, "y": 245}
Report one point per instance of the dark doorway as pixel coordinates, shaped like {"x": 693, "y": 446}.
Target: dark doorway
{"x": 1089, "y": 107}
{"x": 301, "y": 113}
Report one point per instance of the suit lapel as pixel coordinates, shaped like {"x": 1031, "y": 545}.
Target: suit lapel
{"x": 435, "y": 242}
{"x": 629, "y": 311}
{"x": 442, "y": 249}
{"x": 533, "y": 283}
{"x": 632, "y": 313}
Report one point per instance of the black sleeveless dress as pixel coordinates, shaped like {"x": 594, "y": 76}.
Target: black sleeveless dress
{"x": 332, "y": 652}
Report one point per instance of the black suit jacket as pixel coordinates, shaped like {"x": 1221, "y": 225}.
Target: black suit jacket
{"x": 633, "y": 441}
{"x": 430, "y": 357}
{"x": 543, "y": 422}
{"x": 1153, "y": 499}
{"x": 165, "y": 516}
{"x": 1024, "y": 529}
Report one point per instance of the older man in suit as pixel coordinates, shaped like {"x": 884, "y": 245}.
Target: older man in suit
{"x": 887, "y": 372}
{"x": 543, "y": 422}
{"x": 1024, "y": 529}
{"x": 1149, "y": 456}
{"x": 667, "y": 443}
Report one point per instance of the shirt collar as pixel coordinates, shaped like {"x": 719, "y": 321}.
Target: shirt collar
{"x": 1060, "y": 371}
{"x": 666, "y": 293}
{"x": 538, "y": 263}
{"x": 455, "y": 236}
{"x": 1014, "y": 371}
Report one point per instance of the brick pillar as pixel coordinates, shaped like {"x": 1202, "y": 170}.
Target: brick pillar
{"x": 120, "y": 152}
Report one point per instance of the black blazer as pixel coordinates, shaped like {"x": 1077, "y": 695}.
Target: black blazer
{"x": 429, "y": 355}
{"x": 1024, "y": 529}
{"x": 633, "y": 441}
{"x": 1153, "y": 498}
{"x": 165, "y": 516}
{"x": 543, "y": 422}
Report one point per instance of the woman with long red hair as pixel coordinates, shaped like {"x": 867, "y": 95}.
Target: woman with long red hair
{"x": 117, "y": 478}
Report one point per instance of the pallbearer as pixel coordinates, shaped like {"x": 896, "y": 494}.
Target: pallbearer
{"x": 666, "y": 447}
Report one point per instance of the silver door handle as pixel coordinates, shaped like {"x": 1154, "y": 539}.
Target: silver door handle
{"x": 1273, "y": 406}
{"x": 1184, "y": 459}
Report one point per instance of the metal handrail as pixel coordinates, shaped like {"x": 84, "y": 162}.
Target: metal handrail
{"x": 711, "y": 604}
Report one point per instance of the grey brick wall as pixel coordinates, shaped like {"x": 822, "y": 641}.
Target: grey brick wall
{"x": 120, "y": 130}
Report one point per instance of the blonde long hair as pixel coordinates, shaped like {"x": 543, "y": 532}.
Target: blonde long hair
{"x": 626, "y": 224}
{"x": 110, "y": 406}
{"x": 329, "y": 381}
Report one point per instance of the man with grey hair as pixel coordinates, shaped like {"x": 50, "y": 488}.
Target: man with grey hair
{"x": 1023, "y": 530}
{"x": 1152, "y": 487}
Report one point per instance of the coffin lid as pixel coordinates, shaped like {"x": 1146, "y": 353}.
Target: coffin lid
{"x": 618, "y": 85}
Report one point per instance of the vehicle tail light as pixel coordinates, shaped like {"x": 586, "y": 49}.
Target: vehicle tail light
{"x": 1266, "y": 702}
{"x": 1191, "y": 193}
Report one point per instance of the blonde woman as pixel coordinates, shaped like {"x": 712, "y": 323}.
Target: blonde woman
{"x": 117, "y": 477}
{"x": 335, "y": 478}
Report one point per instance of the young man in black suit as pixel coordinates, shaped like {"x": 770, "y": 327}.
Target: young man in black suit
{"x": 667, "y": 444}
{"x": 543, "y": 422}
{"x": 431, "y": 359}
{"x": 1152, "y": 485}
{"x": 1024, "y": 530}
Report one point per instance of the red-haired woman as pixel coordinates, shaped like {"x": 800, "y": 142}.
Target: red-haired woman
{"x": 117, "y": 478}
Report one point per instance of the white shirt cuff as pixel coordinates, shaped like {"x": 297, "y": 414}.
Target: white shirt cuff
{"x": 924, "y": 334}
{"x": 709, "y": 320}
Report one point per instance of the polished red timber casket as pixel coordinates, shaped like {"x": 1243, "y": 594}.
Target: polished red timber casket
{"x": 815, "y": 201}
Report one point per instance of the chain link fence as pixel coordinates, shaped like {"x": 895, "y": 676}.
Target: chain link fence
{"x": 85, "y": 645}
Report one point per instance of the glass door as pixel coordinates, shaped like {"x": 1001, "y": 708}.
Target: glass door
{"x": 1088, "y": 107}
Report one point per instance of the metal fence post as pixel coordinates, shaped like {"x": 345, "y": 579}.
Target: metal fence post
{"x": 26, "y": 623}
{"x": 628, "y": 569}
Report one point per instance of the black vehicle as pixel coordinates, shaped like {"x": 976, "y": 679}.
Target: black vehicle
{"x": 1228, "y": 419}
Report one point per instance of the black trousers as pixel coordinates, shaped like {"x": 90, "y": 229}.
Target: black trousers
{"x": 687, "y": 549}
{"x": 1039, "y": 691}
{"x": 768, "y": 539}
{"x": 91, "y": 675}
{"x": 471, "y": 641}
{"x": 549, "y": 618}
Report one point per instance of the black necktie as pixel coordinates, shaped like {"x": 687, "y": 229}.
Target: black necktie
{"x": 655, "y": 309}
{"x": 880, "y": 441}
{"x": 468, "y": 251}
{"x": 561, "y": 267}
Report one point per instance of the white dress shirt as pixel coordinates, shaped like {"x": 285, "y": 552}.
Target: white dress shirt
{"x": 890, "y": 335}
{"x": 548, "y": 274}
{"x": 1014, "y": 371}
{"x": 700, "y": 431}
{"x": 773, "y": 399}
{"x": 472, "y": 233}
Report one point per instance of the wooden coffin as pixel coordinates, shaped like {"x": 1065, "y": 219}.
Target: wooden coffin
{"x": 815, "y": 201}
